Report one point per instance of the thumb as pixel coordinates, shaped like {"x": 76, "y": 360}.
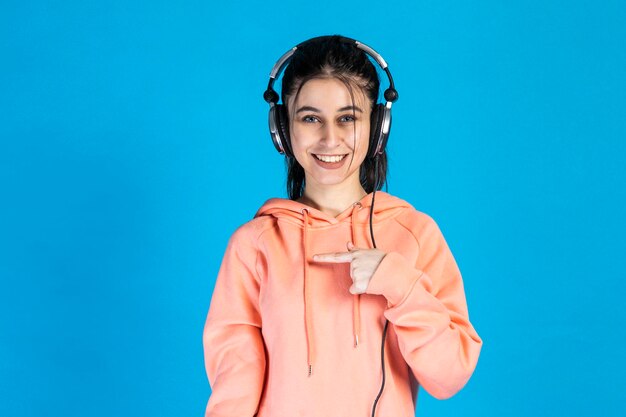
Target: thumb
{"x": 350, "y": 246}
{"x": 353, "y": 289}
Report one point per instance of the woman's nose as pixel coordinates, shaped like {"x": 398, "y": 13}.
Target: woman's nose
{"x": 332, "y": 135}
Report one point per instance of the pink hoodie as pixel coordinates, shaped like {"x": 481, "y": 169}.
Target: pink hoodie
{"x": 285, "y": 338}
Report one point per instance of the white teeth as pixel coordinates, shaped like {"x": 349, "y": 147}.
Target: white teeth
{"x": 334, "y": 158}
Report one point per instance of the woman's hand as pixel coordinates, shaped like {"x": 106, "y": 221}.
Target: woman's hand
{"x": 363, "y": 264}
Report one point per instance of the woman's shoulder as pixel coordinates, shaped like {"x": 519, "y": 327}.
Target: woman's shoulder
{"x": 251, "y": 230}
{"x": 407, "y": 212}
{"x": 265, "y": 218}
{"x": 417, "y": 221}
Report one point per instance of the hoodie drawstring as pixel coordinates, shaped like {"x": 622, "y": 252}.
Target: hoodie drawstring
{"x": 356, "y": 299}
{"x": 310, "y": 347}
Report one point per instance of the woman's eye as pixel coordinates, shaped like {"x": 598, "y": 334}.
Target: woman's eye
{"x": 310, "y": 119}
{"x": 347, "y": 119}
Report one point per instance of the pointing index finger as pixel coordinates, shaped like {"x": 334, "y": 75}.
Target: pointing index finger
{"x": 336, "y": 257}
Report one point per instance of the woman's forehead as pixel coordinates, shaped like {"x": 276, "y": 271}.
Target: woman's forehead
{"x": 330, "y": 91}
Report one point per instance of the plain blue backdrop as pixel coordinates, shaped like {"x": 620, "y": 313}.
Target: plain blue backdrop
{"x": 133, "y": 142}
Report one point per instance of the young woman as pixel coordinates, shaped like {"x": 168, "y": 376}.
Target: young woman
{"x": 339, "y": 301}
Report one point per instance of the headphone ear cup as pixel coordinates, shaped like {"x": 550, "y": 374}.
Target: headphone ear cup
{"x": 376, "y": 125}
{"x": 282, "y": 123}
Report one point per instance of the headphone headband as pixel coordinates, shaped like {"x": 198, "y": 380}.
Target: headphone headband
{"x": 270, "y": 95}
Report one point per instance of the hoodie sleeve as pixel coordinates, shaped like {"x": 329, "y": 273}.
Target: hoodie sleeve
{"x": 428, "y": 311}
{"x": 234, "y": 352}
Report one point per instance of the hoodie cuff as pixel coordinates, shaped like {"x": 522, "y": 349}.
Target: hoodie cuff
{"x": 393, "y": 278}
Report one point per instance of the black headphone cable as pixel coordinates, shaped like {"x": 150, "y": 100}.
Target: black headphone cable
{"x": 382, "y": 347}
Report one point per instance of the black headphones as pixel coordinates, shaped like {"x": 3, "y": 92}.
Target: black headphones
{"x": 380, "y": 121}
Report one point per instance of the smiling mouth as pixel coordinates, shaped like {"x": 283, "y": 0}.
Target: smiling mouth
{"x": 330, "y": 158}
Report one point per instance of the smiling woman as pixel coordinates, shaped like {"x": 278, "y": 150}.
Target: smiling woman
{"x": 310, "y": 316}
{"x": 326, "y": 132}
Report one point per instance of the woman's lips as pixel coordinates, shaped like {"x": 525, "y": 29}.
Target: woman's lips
{"x": 330, "y": 165}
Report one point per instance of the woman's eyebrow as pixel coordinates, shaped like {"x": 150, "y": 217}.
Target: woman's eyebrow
{"x": 355, "y": 108}
{"x": 308, "y": 108}
{"x": 316, "y": 110}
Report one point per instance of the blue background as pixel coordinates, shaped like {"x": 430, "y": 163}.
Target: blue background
{"x": 133, "y": 141}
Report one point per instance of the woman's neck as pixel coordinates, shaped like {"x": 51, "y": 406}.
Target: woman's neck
{"x": 331, "y": 200}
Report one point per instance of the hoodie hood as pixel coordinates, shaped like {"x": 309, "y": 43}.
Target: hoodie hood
{"x": 306, "y": 217}
{"x": 385, "y": 206}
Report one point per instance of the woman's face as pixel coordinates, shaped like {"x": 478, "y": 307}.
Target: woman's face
{"x": 330, "y": 132}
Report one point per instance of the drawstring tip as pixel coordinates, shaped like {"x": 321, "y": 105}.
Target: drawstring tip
{"x": 310, "y": 370}
{"x": 356, "y": 340}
